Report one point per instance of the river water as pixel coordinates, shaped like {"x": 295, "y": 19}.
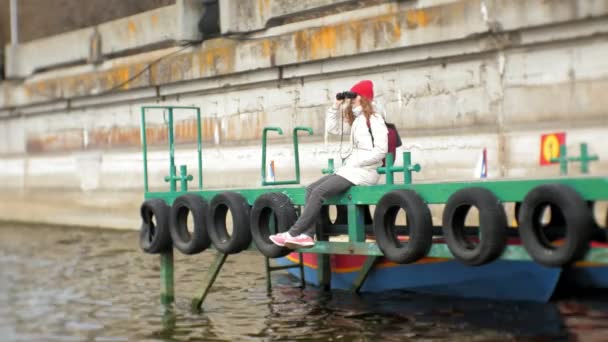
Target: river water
{"x": 67, "y": 284}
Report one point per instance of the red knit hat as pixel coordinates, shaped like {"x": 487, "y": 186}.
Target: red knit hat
{"x": 364, "y": 88}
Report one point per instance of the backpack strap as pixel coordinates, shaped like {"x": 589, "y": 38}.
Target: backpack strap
{"x": 369, "y": 128}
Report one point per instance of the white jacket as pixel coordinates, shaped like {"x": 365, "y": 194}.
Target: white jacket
{"x": 361, "y": 157}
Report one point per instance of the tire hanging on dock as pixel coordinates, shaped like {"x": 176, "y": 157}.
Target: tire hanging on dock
{"x": 189, "y": 242}
{"x": 419, "y": 221}
{"x": 154, "y": 235}
{"x": 578, "y": 218}
{"x": 271, "y": 209}
{"x": 218, "y": 210}
{"x": 492, "y": 238}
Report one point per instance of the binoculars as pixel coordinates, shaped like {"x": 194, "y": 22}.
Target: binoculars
{"x": 346, "y": 95}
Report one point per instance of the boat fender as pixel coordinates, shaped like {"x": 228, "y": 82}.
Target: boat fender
{"x": 419, "y": 222}
{"x": 578, "y": 219}
{"x": 216, "y": 222}
{"x": 154, "y": 235}
{"x": 492, "y": 226}
{"x": 271, "y": 206}
{"x": 189, "y": 242}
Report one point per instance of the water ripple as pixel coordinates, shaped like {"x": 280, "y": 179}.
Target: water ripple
{"x": 83, "y": 285}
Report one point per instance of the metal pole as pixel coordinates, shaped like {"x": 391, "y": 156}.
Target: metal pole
{"x": 167, "y": 296}
{"x": 14, "y": 23}
{"x": 171, "y": 153}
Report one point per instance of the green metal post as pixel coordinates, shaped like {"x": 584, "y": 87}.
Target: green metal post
{"x": 330, "y": 167}
{"x": 296, "y": 149}
{"x": 407, "y": 165}
{"x": 210, "y": 277}
{"x": 171, "y": 153}
{"x": 356, "y": 223}
{"x": 199, "y": 148}
{"x": 585, "y": 158}
{"x": 562, "y": 160}
{"x": 367, "y": 267}
{"x": 268, "y": 280}
{"x": 323, "y": 262}
{"x": 184, "y": 177}
{"x": 166, "y": 278}
{"x": 144, "y": 146}
{"x": 302, "y": 279}
{"x": 389, "y": 168}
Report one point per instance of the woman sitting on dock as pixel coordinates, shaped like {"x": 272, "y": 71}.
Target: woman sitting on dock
{"x": 368, "y": 145}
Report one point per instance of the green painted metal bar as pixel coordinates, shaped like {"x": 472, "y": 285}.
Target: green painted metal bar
{"x": 144, "y": 147}
{"x": 167, "y": 295}
{"x": 590, "y": 188}
{"x": 296, "y": 152}
{"x": 367, "y": 267}
{"x": 407, "y": 164}
{"x": 210, "y": 277}
{"x": 199, "y": 148}
{"x": 562, "y": 160}
{"x": 585, "y": 158}
{"x": 407, "y": 168}
{"x": 296, "y": 149}
{"x": 330, "y": 167}
{"x": 323, "y": 261}
{"x": 268, "y": 280}
{"x": 356, "y": 224}
{"x": 301, "y": 265}
{"x": 172, "y": 179}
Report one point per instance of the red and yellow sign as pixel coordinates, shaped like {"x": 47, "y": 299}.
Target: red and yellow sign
{"x": 550, "y": 146}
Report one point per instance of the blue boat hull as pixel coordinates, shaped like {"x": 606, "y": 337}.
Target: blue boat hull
{"x": 500, "y": 280}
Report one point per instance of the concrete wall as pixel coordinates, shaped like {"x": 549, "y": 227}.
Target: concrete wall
{"x": 165, "y": 25}
{"x": 455, "y": 76}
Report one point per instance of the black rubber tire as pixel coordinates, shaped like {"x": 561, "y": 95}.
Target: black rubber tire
{"x": 419, "y": 221}
{"x": 218, "y": 209}
{"x": 578, "y": 219}
{"x": 186, "y": 242}
{"x": 154, "y": 238}
{"x": 492, "y": 226}
{"x": 269, "y": 206}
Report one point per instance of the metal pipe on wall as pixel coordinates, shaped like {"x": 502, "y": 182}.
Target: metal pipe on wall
{"x": 14, "y": 23}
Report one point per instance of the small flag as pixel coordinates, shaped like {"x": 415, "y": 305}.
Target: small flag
{"x": 481, "y": 169}
{"x": 271, "y": 172}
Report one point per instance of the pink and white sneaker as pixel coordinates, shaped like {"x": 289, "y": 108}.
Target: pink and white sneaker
{"x": 300, "y": 241}
{"x": 280, "y": 238}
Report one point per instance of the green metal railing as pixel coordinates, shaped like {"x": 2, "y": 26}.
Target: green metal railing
{"x": 296, "y": 153}
{"x": 172, "y": 178}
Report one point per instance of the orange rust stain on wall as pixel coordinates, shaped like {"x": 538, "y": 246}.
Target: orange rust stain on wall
{"x": 417, "y": 18}
{"x": 323, "y": 42}
{"x": 154, "y": 19}
{"x": 387, "y": 27}
{"x": 217, "y": 60}
{"x": 69, "y": 140}
{"x": 263, "y": 6}
{"x": 131, "y": 27}
{"x": 301, "y": 43}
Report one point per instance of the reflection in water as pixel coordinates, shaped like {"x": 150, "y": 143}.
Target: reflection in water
{"x": 82, "y": 285}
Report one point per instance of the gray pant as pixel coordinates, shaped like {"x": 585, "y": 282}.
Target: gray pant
{"x": 316, "y": 193}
